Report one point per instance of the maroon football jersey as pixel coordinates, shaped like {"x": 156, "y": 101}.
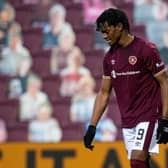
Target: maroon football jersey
{"x": 132, "y": 70}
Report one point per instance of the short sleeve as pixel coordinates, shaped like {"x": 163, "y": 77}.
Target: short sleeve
{"x": 153, "y": 61}
{"x": 106, "y": 68}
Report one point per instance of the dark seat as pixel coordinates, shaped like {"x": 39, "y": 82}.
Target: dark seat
{"x": 41, "y": 62}
{"x": 75, "y": 14}
{"x": 19, "y": 132}
{"x": 65, "y": 2}
{"x": 33, "y": 39}
{"x": 85, "y": 39}
{"x": 51, "y": 85}
{"x": 74, "y": 131}
{"x": 4, "y": 81}
{"x": 61, "y": 111}
{"x": 15, "y": 3}
{"x": 94, "y": 60}
{"x": 24, "y": 15}
{"x": 128, "y": 8}
{"x": 139, "y": 30}
{"x": 9, "y": 110}
{"x": 98, "y": 79}
{"x": 114, "y": 112}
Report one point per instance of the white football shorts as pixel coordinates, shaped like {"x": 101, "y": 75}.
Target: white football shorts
{"x": 141, "y": 137}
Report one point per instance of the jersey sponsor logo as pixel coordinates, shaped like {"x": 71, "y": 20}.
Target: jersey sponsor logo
{"x": 114, "y": 74}
{"x": 132, "y": 60}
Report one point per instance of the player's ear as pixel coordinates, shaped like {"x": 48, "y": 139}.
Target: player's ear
{"x": 119, "y": 26}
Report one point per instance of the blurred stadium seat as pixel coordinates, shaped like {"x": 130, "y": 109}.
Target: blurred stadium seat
{"x": 75, "y": 14}
{"x": 33, "y": 39}
{"x": 9, "y": 111}
{"x": 74, "y": 131}
{"x": 85, "y": 39}
{"x": 51, "y": 85}
{"x": 94, "y": 57}
{"x": 24, "y": 15}
{"x": 15, "y": 3}
{"x": 19, "y": 132}
{"x": 41, "y": 62}
{"x": 61, "y": 108}
{"x": 4, "y": 81}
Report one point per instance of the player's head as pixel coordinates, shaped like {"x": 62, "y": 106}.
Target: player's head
{"x": 112, "y": 22}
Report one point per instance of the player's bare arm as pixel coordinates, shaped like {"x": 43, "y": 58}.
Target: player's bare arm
{"x": 100, "y": 105}
{"x": 102, "y": 100}
{"x": 162, "y": 132}
{"x": 163, "y": 81}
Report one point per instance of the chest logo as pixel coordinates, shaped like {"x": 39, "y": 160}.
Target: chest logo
{"x": 132, "y": 60}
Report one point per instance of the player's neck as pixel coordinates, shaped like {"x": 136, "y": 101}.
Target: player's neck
{"x": 126, "y": 39}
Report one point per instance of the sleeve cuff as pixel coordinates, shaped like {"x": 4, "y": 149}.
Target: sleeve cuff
{"x": 106, "y": 77}
{"x": 160, "y": 72}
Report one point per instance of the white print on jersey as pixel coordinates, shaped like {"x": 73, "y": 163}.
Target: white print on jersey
{"x": 114, "y": 74}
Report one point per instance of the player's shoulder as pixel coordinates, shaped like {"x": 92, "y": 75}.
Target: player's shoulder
{"x": 146, "y": 44}
{"x": 106, "y": 57}
{"x": 108, "y": 53}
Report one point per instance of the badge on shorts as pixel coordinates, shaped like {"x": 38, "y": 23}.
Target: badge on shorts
{"x": 132, "y": 60}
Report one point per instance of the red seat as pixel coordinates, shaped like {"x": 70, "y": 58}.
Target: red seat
{"x": 33, "y": 39}
{"x": 24, "y": 15}
{"x": 4, "y": 81}
{"x": 9, "y": 110}
{"x": 65, "y": 2}
{"x": 94, "y": 61}
{"x": 139, "y": 30}
{"x": 18, "y": 133}
{"x": 41, "y": 62}
{"x": 120, "y": 2}
{"x": 98, "y": 80}
{"x": 114, "y": 112}
{"x": 15, "y": 3}
{"x": 85, "y": 38}
{"x": 61, "y": 111}
{"x": 128, "y": 8}
{"x": 51, "y": 85}
{"x": 73, "y": 131}
{"x": 75, "y": 14}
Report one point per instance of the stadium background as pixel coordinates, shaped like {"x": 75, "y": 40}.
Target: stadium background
{"x": 69, "y": 153}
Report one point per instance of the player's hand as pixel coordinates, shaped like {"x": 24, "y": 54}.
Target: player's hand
{"x": 88, "y": 138}
{"x": 162, "y": 131}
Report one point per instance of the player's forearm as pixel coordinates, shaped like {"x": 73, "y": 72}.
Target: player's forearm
{"x": 99, "y": 107}
{"x": 164, "y": 96}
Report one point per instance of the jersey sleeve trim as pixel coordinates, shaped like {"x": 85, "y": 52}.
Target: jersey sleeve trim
{"x": 106, "y": 77}
{"x": 160, "y": 72}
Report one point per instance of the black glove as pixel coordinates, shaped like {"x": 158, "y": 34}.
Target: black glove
{"x": 88, "y": 138}
{"x": 162, "y": 131}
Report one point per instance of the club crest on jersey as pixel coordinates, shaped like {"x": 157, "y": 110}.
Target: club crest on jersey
{"x": 132, "y": 60}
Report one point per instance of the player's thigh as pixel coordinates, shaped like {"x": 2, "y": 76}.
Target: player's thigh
{"x": 144, "y": 140}
{"x": 141, "y": 140}
{"x": 128, "y": 136}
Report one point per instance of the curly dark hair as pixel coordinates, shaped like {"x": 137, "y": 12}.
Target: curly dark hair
{"x": 113, "y": 16}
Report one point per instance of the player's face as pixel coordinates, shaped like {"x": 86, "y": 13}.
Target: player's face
{"x": 111, "y": 33}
